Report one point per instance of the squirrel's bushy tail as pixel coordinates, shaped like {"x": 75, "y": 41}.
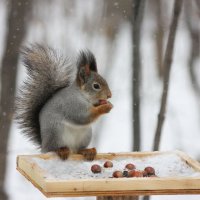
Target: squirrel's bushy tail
{"x": 47, "y": 73}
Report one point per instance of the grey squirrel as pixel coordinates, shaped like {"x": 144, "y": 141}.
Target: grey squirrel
{"x": 59, "y": 100}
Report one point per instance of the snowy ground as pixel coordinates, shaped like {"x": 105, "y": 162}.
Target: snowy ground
{"x": 181, "y": 128}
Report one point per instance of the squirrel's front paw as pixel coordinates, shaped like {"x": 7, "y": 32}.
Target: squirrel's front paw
{"x": 88, "y": 154}
{"x": 105, "y": 108}
{"x": 63, "y": 153}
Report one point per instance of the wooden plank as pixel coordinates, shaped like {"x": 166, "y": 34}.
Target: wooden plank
{"x": 110, "y": 156}
{"x": 109, "y": 186}
{"x": 38, "y": 186}
{"x": 32, "y": 171}
{"x": 123, "y": 183}
{"x": 189, "y": 161}
{"x": 111, "y": 193}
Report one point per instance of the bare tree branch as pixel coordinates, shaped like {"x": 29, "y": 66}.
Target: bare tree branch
{"x": 16, "y": 31}
{"x": 167, "y": 67}
{"x": 138, "y": 9}
{"x": 159, "y": 37}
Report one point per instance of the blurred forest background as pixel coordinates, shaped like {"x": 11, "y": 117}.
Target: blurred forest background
{"x": 148, "y": 53}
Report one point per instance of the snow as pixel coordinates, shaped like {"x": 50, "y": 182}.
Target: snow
{"x": 167, "y": 165}
{"x": 63, "y": 26}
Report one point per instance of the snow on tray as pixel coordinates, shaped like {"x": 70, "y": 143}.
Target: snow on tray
{"x": 169, "y": 165}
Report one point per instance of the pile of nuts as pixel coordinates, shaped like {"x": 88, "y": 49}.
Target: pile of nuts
{"x": 129, "y": 171}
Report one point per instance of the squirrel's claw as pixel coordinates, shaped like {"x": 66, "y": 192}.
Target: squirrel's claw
{"x": 88, "y": 154}
{"x": 63, "y": 153}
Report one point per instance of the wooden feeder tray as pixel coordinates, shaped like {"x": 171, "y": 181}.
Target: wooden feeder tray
{"x": 109, "y": 186}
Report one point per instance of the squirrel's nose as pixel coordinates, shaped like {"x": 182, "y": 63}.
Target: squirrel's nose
{"x": 109, "y": 95}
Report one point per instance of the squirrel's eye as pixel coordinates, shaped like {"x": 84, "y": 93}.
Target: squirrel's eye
{"x": 96, "y": 86}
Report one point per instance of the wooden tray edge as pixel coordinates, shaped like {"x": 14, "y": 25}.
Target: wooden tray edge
{"x": 25, "y": 167}
{"x": 110, "y": 193}
{"x": 43, "y": 185}
{"x": 189, "y": 161}
{"x": 101, "y": 155}
{"x": 124, "y": 193}
{"x": 33, "y": 182}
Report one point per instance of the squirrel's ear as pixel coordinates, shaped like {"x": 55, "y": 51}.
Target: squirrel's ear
{"x": 86, "y": 58}
{"x": 83, "y": 74}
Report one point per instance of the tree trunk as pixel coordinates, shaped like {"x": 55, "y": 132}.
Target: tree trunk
{"x": 138, "y": 10}
{"x": 14, "y": 38}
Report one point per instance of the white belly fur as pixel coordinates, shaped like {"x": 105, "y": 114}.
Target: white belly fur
{"x": 76, "y": 137}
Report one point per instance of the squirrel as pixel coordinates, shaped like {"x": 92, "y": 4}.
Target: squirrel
{"x": 60, "y": 99}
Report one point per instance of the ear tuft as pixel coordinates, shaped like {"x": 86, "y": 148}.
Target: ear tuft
{"x": 86, "y": 57}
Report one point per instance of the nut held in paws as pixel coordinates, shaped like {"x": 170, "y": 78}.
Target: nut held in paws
{"x": 102, "y": 101}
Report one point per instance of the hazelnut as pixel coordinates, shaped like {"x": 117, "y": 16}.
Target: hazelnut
{"x": 138, "y": 174}
{"x": 131, "y": 173}
{"x": 117, "y": 174}
{"x": 150, "y": 170}
{"x": 96, "y": 169}
{"x": 130, "y": 166}
{"x": 108, "y": 164}
{"x": 135, "y": 173}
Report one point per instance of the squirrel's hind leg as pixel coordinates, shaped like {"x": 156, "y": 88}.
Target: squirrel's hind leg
{"x": 88, "y": 154}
